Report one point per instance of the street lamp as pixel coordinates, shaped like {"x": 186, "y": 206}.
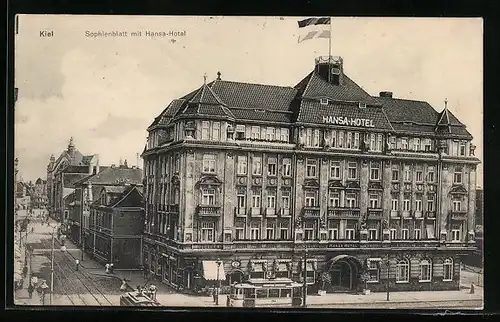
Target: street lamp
{"x": 63, "y": 248}
{"x": 388, "y": 264}
{"x": 304, "y": 292}
{"x": 218, "y": 282}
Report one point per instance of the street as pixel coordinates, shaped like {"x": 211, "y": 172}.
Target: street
{"x": 90, "y": 285}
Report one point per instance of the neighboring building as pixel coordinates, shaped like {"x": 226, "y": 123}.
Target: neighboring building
{"x": 256, "y": 175}
{"x": 62, "y": 173}
{"x": 39, "y": 196}
{"x": 88, "y": 188}
{"x": 479, "y": 206}
{"x": 116, "y": 222}
{"x": 23, "y": 195}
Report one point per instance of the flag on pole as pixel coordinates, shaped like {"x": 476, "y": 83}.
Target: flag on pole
{"x": 315, "y": 28}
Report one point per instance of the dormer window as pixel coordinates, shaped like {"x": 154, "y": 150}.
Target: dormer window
{"x": 323, "y": 101}
{"x": 362, "y": 105}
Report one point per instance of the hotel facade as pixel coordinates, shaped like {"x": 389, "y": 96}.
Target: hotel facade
{"x": 261, "y": 179}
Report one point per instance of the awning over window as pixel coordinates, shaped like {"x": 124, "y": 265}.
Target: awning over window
{"x": 210, "y": 271}
{"x": 282, "y": 267}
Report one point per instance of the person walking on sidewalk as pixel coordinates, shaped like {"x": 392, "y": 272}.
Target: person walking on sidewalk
{"x": 77, "y": 262}
{"x": 107, "y": 268}
{"x": 30, "y": 290}
{"x": 111, "y": 268}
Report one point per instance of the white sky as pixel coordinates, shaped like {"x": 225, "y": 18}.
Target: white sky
{"x": 105, "y": 92}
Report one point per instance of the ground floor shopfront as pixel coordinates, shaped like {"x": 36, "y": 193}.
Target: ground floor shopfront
{"x": 328, "y": 269}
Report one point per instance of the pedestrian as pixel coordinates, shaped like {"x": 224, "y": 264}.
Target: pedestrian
{"x": 111, "y": 268}
{"x": 77, "y": 262}
{"x": 30, "y": 290}
{"x": 214, "y": 295}
{"x": 107, "y": 268}
{"x": 228, "y": 301}
{"x": 145, "y": 270}
{"x": 32, "y": 229}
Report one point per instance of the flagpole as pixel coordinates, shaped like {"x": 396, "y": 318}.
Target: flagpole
{"x": 330, "y": 41}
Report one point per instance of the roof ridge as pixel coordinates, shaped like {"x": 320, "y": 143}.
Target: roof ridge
{"x": 257, "y": 84}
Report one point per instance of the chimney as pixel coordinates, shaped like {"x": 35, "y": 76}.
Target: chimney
{"x": 385, "y": 94}
{"x": 97, "y": 163}
{"x": 125, "y": 165}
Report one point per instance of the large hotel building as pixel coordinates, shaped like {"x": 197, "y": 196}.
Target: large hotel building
{"x": 261, "y": 178}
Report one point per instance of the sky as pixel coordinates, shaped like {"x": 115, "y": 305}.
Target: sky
{"x": 105, "y": 91}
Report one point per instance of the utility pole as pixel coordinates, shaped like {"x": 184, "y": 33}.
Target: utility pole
{"x": 52, "y": 267}
{"x": 388, "y": 263}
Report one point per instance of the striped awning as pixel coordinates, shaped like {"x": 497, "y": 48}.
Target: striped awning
{"x": 210, "y": 271}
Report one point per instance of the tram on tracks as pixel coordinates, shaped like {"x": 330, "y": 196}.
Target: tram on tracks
{"x": 138, "y": 298}
{"x": 279, "y": 292}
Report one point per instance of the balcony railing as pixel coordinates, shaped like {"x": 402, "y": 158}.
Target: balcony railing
{"x": 343, "y": 213}
{"x": 270, "y": 212}
{"x": 406, "y": 214}
{"x": 311, "y": 212}
{"x": 208, "y": 211}
{"x": 417, "y": 214}
{"x": 458, "y": 214}
{"x": 285, "y": 212}
{"x": 375, "y": 213}
{"x": 395, "y": 214}
{"x": 256, "y": 212}
{"x": 240, "y": 212}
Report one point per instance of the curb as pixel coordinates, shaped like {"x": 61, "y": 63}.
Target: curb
{"x": 394, "y": 302}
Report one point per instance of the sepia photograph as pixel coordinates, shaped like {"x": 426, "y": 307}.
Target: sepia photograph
{"x": 248, "y": 162}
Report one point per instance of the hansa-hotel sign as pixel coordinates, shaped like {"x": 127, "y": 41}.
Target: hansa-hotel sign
{"x": 348, "y": 121}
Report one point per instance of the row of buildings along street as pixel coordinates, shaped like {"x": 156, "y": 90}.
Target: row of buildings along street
{"x": 320, "y": 183}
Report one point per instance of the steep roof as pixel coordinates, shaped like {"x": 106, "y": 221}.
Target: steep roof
{"x": 130, "y": 197}
{"x": 116, "y": 175}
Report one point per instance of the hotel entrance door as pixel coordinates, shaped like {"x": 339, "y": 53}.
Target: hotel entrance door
{"x": 343, "y": 277}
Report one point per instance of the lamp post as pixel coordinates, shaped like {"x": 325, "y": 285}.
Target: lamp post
{"x": 218, "y": 282}
{"x": 63, "y": 248}
{"x": 304, "y": 291}
{"x": 388, "y": 264}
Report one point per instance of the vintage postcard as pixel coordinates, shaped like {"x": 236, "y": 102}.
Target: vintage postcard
{"x": 287, "y": 162}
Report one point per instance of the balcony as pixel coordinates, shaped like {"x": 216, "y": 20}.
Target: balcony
{"x": 311, "y": 212}
{"x": 417, "y": 214}
{"x": 430, "y": 214}
{"x": 375, "y": 213}
{"x": 458, "y": 214}
{"x": 208, "y": 211}
{"x": 240, "y": 212}
{"x": 285, "y": 212}
{"x": 406, "y": 214}
{"x": 395, "y": 214}
{"x": 271, "y": 212}
{"x": 343, "y": 213}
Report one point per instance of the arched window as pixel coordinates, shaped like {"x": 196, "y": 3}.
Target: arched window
{"x": 403, "y": 271}
{"x": 425, "y": 270}
{"x": 448, "y": 269}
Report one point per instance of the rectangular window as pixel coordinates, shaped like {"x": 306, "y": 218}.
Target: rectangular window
{"x": 309, "y": 231}
{"x": 335, "y": 170}
{"x": 310, "y": 199}
{"x": 455, "y": 234}
{"x": 255, "y": 231}
{"x": 285, "y": 199}
{"x": 241, "y": 201}
{"x": 271, "y": 200}
{"x": 419, "y": 174}
{"x": 392, "y": 142}
{"x": 394, "y": 206}
{"x": 256, "y": 199}
{"x": 430, "y": 202}
{"x": 404, "y": 144}
{"x": 349, "y": 140}
{"x": 308, "y": 137}
{"x": 457, "y": 175}
{"x": 462, "y": 148}
{"x": 316, "y": 138}
{"x": 395, "y": 172}
{"x": 448, "y": 270}
{"x": 352, "y": 170}
{"x": 406, "y": 204}
{"x": 271, "y": 166}
{"x": 427, "y": 145}
{"x": 270, "y": 229}
{"x": 356, "y": 140}
{"x": 403, "y": 272}
{"x": 418, "y": 205}
{"x": 208, "y": 197}
{"x": 430, "y": 173}
{"x": 311, "y": 168}
{"x": 256, "y": 165}
{"x": 242, "y": 165}
{"x": 372, "y": 234}
{"x": 240, "y": 232}
{"x": 404, "y": 233}
{"x": 340, "y": 142}
{"x": 407, "y": 173}
{"x": 287, "y": 167}
{"x": 333, "y": 199}
{"x": 417, "y": 234}
{"x": 209, "y": 163}
{"x": 216, "y": 131}
{"x": 240, "y": 132}
{"x": 207, "y": 231}
{"x": 283, "y": 230}
{"x": 393, "y": 233}
{"x": 284, "y": 135}
{"x": 351, "y": 200}
{"x": 349, "y": 234}
{"x": 263, "y": 132}
{"x": 333, "y": 230}
{"x": 374, "y": 171}
{"x": 205, "y": 130}
{"x": 255, "y": 132}
{"x": 334, "y": 138}
{"x": 457, "y": 205}
{"x": 416, "y": 144}
{"x": 372, "y": 142}
{"x": 374, "y": 201}
{"x": 379, "y": 142}
{"x": 270, "y": 134}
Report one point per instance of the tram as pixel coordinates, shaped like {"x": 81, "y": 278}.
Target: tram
{"x": 138, "y": 298}
{"x": 279, "y": 292}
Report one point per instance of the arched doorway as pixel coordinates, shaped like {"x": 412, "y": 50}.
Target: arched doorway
{"x": 235, "y": 276}
{"x": 344, "y": 273}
